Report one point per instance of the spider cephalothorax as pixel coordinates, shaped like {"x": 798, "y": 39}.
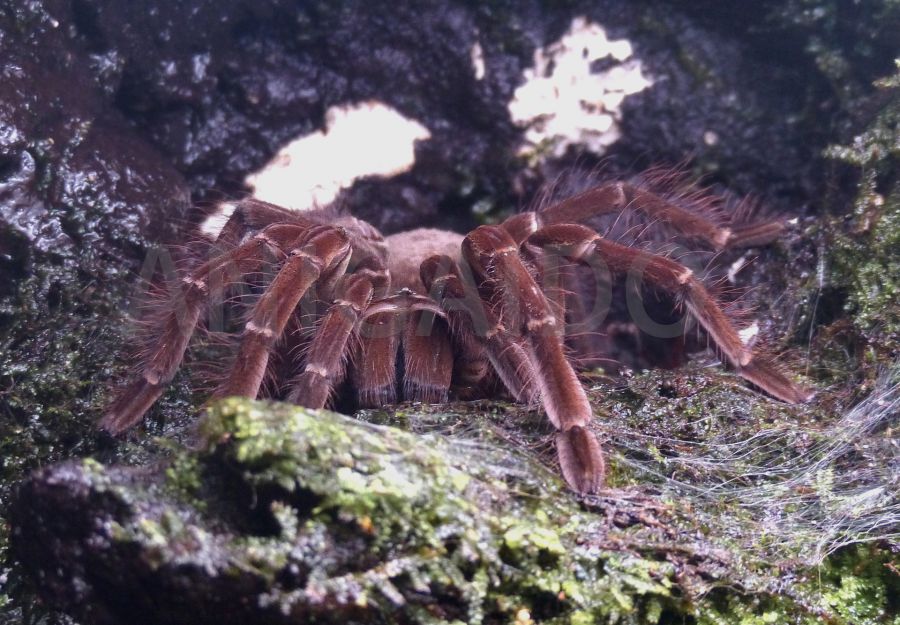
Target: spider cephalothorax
{"x": 416, "y": 315}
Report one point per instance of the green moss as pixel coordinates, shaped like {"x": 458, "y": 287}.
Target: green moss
{"x": 314, "y": 509}
{"x": 861, "y": 585}
{"x": 184, "y": 479}
{"x": 865, "y": 246}
{"x": 867, "y": 263}
{"x": 375, "y": 517}
{"x": 854, "y": 586}
{"x": 412, "y": 498}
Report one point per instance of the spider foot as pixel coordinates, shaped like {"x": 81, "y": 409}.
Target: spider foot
{"x": 581, "y": 459}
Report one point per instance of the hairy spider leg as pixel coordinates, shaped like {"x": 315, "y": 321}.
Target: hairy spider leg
{"x": 427, "y": 356}
{"x": 620, "y": 196}
{"x": 375, "y": 359}
{"x": 753, "y": 234}
{"x": 700, "y": 224}
{"x": 579, "y": 242}
{"x": 481, "y": 341}
{"x": 319, "y": 252}
{"x": 524, "y": 310}
{"x": 176, "y": 327}
{"x": 580, "y": 295}
{"x": 765, "y": 374}
{"x": 412, "y": 327}
{"x": 252, "y": 215}
{"x": 326, "y": 356}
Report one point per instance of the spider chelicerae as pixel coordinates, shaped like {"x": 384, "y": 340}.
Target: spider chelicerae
{"x": 342, "y": 311}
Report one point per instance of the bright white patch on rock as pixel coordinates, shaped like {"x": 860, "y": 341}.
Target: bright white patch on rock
{"x": 748, "y": 335}
{"x": 214, "y": 223}
{"x": 367, "y": 139}
{"x": 477, "y": 56}
{"x": 562, "y": 103}
{"x": 736, "y": 267}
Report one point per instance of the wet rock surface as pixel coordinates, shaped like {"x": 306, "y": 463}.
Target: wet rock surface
{"x": 116, "y": 118}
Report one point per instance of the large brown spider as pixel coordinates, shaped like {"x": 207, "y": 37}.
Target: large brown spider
{"x": 416, "y": 314}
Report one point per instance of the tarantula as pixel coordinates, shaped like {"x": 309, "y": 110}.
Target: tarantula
{"x": 413, "y": 315}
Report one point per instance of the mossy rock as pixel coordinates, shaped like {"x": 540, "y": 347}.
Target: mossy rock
{"x": 285, "y": 515}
